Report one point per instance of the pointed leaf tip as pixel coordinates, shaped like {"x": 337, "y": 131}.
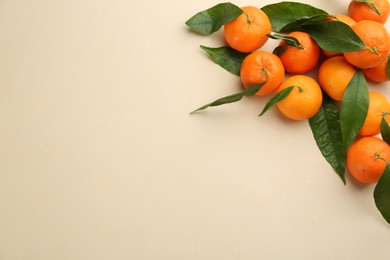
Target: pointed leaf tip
{"x": 382, "y": 194}
{"x": 211, "y": 20}
{"x": 276, "y": 98}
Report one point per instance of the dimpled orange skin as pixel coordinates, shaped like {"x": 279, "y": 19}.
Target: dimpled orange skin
{"x": 248, "y": 32}
{"x": 300, "y": 61}
{"x": 374, "y": 35}
{"x": 303, "y": 101}
{"x": 362, "y": 161}
{"x": 254, "y": 67}
{"x": 342, "y": 18}
{"x": 361, "y": 11}
{"x": 334, "y": 75}
{"x": 378, "y": 105}
{"x": 378, "y": 73}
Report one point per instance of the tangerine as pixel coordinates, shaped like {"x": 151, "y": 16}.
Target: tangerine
{"x": 303, "y": 101}
{"x": 374, "y": 10}
{"x": 376, "y": 38}
{"x": 367, "y": 158}
{"x": 378, "y": 108}
{"x": 259, "y": 67}
{"x": 248, "y": 32}
{"x": 334, "y": 75}
{"x": 299, "y": 60}
{"x": 378, "y": 73}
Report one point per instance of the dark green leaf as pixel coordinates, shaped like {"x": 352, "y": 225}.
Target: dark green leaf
{"x": 382, "y": 194}
{"x": 280, "y": 49}
{"x": 297, "y": 24}
{"x": 250, "y": 91}
{"x": 291, "y": 41}
{"x": 354, "y": 107}
{"x": 388, "y": 68}
{"x": 226, "y": 57}
{"x": 334, "y": 36}
{"x": 212, "y": 19}
{"x": 385, "y": 131}
{"x": 325, "y": 126}
{"x": 276, "y": 98}
{"x": 283, "y": 13}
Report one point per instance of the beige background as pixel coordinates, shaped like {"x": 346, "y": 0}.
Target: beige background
{"x": 99, "y": 158}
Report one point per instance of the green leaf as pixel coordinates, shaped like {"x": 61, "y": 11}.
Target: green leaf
{"x": 385, "y": 131}
{"x": 283, "y": 13}
{"x": 382, "y": 194}
{"x": 291, "y": 41}
{"x": 354, "y": 107}
{"x": 388, "y": 68}
{"x": 276, "y": 98}
{"x": 334, "y": 36}
{"x": 212, "y": 19}
{"x": 325, "y": 126}
{"x": 250, "y": 91}
{"x": 297, "y": 24}
{"x": 370, "y": 4}
{"x": 280, "y": 49}
{"x": 226, "y": 57}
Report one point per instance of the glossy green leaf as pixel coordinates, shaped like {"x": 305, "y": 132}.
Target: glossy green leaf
{"x": 211, "y": 20}
{"x": 382, "y": 194}
{"x": 354, "y": 107}
{"x": 388, "y": 68}
{"x": 250, "y": 91}
{"x": 291, "y": 41}
{"x": 307, "y": 20}
{"x": 276, "y": 98}
{"x": 284, "y": 13}
{"x": 280, "y": 49}
{"x": 385, "y": 131}
{"x": 334, "y": 36}
{"x": 226, "y": 57}
{"x": 325, "y": 126}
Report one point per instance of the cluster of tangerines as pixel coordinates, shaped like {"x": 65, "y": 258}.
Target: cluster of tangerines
{"x": 368, "y": 155}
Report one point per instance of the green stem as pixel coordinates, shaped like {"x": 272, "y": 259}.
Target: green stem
{"x": 248, "y": 20}
{"x": 379, "y": 157}
{"x": 373, "y": 49}
{"x": 265, "y": 72}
